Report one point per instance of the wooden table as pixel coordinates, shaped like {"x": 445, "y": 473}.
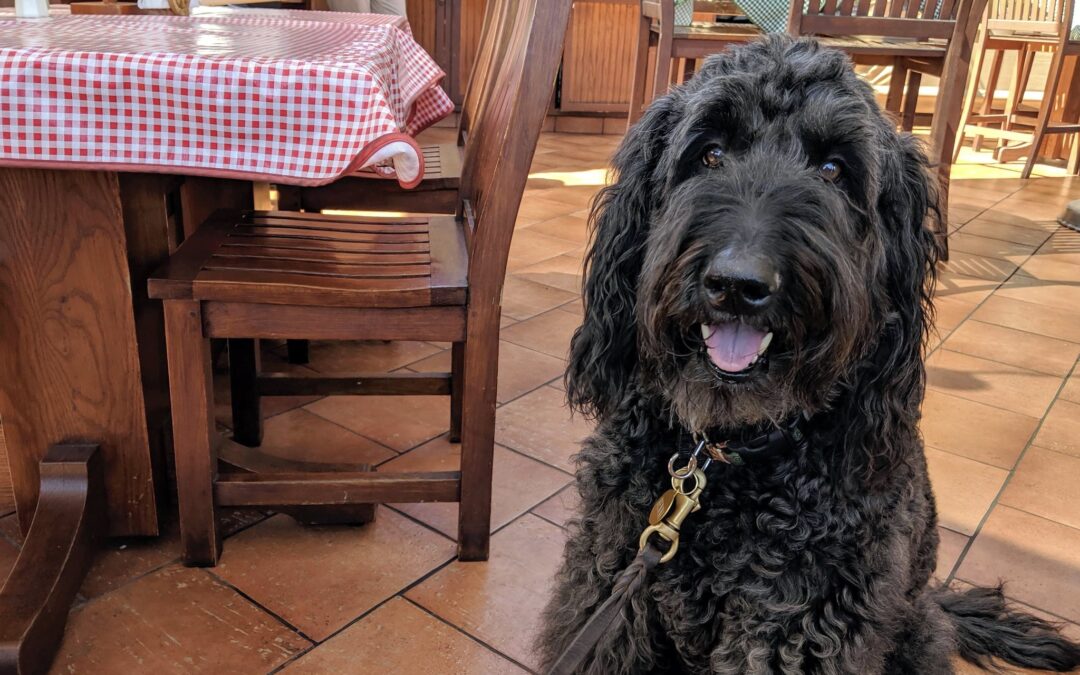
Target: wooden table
{"x": 83, "y": 380}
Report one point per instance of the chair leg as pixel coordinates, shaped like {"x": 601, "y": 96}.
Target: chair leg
{"x": 987, "y": 107}
{"x": 970, "y": 92}
{"x": 244, "y": 388}
{"x": 662, "y": 77}
{"x": 1025, "y": 58}
{"x": 478, "y": 437}
{"x": 1046, "y": 109}
{"x": 1074, "y": 156}
{"x": 457, "y": 375}
{"x": 896, "y": 89}
{"x": 298, "y": 353}
{"x": 641, "y": 71}
{"x": 194, "y": 438}
{"x": 911, "y": 100}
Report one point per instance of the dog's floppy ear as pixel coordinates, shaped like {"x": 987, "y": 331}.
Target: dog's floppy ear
{"x": 603, "y": 352}
{"x": 885, "y": 397}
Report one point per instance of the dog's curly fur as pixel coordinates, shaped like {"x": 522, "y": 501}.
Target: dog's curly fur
{"x": 814, "y": 562}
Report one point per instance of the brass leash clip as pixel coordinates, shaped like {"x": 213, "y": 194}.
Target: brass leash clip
{"x": 672, "y": 508}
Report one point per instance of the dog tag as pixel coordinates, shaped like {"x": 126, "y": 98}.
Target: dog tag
{"x": 661, "y": 507}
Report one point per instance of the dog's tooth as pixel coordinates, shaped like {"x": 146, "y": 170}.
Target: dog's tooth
{"x": 706, "y": 331}
{"x": 765, "y": 342}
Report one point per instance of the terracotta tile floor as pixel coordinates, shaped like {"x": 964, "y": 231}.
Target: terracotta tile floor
{"x": 1002, "y": 426}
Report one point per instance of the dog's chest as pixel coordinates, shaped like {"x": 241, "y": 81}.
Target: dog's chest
{"x": 761, "y": 561}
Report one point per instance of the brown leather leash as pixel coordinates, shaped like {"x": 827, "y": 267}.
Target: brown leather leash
{"x": 626, "y": 584}
{"x": 665, "y": 520}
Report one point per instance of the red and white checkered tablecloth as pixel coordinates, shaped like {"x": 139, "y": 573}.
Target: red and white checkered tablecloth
{"x": 262, "y": 96}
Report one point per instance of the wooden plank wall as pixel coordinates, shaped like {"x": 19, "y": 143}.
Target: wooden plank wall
{"x": 598, "y": 58}
{"x": 421, "y": 14}
{"x": 472, "y": 21}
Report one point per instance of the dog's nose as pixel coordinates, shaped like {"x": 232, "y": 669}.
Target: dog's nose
{"x": 741, "y": 284}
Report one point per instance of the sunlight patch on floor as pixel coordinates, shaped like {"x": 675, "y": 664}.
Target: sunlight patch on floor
{"x": 595, "y": 177}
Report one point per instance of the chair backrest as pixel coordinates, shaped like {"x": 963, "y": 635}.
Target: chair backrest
{"x": 494, "y": 37}
{"x": 1048, "y": 17}
{"x": 922, "y": 19}
{"x": 504, "y": 136}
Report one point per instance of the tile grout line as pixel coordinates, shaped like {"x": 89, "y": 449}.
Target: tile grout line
{"x": 363, "y": 615}
{"x": 542, "y": 517}
{"x": 470, "y": 636}
{"x": 1018, "y": 330}
{"x": 258, "y": 605}
{"x": 419, "y": 522}
{"x": 405, "y": 589}
{"x": 927, "y": 446}
{"x": 1040, "y": 517}
{"x": 1005, "y": 484}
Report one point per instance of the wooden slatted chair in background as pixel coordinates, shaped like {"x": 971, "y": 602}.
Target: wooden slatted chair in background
{"x": 914, "y": 37}
{"x": 298, "y": 275}
{"x": 657, "y": 29}
{"x": 911, "y": 36}
{"x": 437, "y": 191}
{"x": 1026, "y": 27}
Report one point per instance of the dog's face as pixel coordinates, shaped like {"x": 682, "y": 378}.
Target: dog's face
{"x": 777, "y": 206}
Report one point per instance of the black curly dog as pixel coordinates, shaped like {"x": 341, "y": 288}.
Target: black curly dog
{"x": 764, "y": 254}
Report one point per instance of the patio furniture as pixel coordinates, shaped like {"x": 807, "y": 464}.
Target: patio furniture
{"x": 437, "y": 191}
{"x": 911, "y": 36}
{"x": 88, "y": 214}
{"x": 252, "y": 274}
{"x": 1027, "y": 28}
{"x": 1021, "y": 27}
{"x": 915, "y": 37}
{"x": 657, "y": 28}
{"x": 68, "y": 524}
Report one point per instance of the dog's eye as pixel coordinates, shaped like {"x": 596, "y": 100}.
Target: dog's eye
{"x": 713, "y": 157}
{"x": 830, "y": 171}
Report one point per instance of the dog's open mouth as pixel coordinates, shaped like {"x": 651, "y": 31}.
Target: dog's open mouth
{"x": 736, "y": 349}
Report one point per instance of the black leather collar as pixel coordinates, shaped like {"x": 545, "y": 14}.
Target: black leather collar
{"x": 755, "y": 445}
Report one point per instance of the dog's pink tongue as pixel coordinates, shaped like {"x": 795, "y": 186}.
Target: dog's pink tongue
{"x": 733, "y": 346}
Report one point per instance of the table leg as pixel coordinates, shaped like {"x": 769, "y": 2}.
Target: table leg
{"x": 67, "y": 527}
{"x": 69, "y": 358}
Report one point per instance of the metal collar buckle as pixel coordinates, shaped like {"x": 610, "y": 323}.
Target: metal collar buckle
{"x": 711, "y": 451}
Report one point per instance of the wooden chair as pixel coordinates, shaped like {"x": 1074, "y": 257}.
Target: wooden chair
{"x": 657, "y": 28}
{"x": 915, "y": 37}
{"x": 1010, "y": 26}
{"x": 431, "y": 277}
{"x": 438, "y": 189}
{"x": 911, "y": 36}
{"x": 1026, "y": 27}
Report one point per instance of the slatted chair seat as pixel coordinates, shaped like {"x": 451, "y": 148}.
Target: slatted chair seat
{"x": 437, "y": 191}
{"x": 442, "y": 165}
{"x": 442, "y": 168}
{"x": 285, "y": 258}
{"x": 857, "y": 46}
